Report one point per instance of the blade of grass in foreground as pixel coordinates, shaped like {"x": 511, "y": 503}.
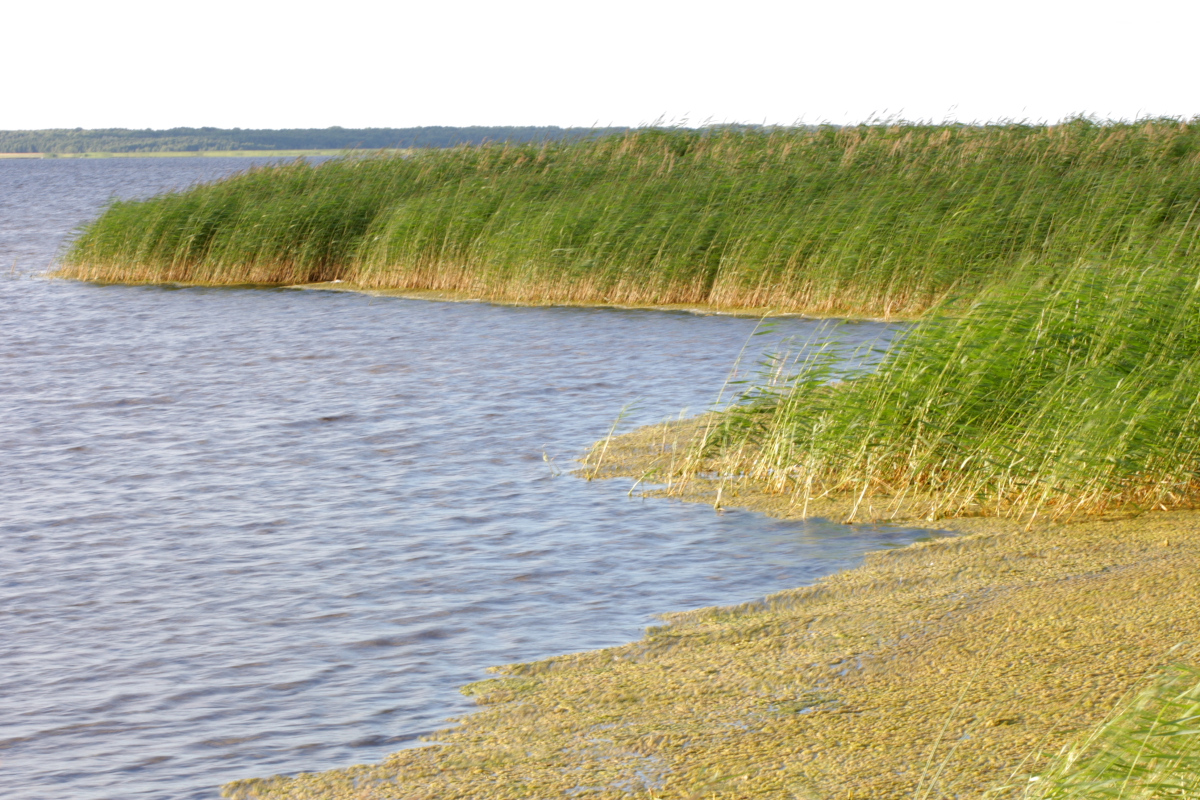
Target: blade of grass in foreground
{"x": 1150, "y": 750}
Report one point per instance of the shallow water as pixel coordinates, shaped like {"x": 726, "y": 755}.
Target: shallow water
{"x": 247, "y": 532}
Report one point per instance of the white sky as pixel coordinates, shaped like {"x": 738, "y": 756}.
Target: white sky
{"x": 255, "y": 64}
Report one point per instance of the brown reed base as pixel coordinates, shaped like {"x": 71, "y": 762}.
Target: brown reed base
{"x": 457, "y": 286}
{"x": 448, "y": 296}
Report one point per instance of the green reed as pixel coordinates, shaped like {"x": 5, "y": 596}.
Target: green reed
{"x": 875, "y": 220}
{"x": 1149, "y": 750}
{"x": 1075, "y": 391}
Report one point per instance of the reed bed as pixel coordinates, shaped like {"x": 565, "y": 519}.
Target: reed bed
{"x": 1076, "y": 393}
{"x": 876, "y": 220}
{"x": 1057, "y": 372}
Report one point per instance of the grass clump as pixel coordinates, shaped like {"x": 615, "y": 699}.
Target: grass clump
{"x": 1148, "y": 751}
{"x": 874, "y": 220}
{"x": 1076, "y": 392}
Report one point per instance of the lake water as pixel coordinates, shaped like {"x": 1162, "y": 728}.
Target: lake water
{"x": 248, "y": 532}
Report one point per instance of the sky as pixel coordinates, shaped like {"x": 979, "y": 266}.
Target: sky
{"x": 254, "y": 64}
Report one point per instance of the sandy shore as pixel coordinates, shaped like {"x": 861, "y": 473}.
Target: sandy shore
{"x": 952, "y": 668}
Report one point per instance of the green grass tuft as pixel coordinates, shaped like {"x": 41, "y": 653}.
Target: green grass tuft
{"x": 1072, "y": 393}
{"x": 1149, "y": 751}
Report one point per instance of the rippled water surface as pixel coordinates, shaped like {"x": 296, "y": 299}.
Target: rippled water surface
{"x": 246, "y": 532}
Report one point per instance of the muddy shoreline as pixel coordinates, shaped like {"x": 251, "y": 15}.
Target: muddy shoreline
{"x": 951, "y": 668}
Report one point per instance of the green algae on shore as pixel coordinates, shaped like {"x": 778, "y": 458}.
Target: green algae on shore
{"x": 945, "y": 669}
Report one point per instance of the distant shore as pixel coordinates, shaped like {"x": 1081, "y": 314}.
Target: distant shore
{"x": 197, "y": 154}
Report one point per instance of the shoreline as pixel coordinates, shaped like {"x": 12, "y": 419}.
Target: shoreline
{"x": 956, "y": 666}
{"x": 201, "y": 154}
{"x": 466, "y": 297}
{"x": 443, "y": 296}
{"x": 959, "y": 665}
{"x": 951, "y": 667}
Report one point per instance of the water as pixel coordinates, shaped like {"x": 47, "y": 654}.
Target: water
{"x": 247, "y": 532}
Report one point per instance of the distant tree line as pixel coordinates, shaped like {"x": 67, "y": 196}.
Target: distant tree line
{"x": 123, "y": 140}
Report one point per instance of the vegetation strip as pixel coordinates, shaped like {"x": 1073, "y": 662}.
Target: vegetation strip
{"x": 876, "y": 221}
{"x": 1061, "y": 395}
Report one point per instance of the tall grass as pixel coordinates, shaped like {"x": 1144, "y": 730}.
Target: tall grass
{"x": 1076, "y": 392}
{"x": 876, "y": 220}
{"x": 1150, "y": 750}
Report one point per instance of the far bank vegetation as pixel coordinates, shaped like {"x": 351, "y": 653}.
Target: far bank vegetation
{"x": 876, "y": 221}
